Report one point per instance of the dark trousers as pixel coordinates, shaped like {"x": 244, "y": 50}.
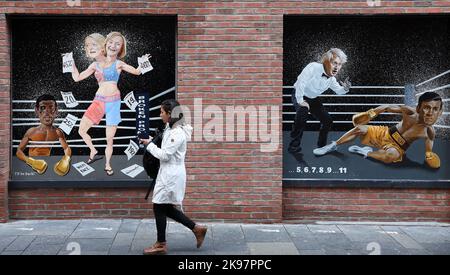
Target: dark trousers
{"x": 162, "y": 211}
{"x": 301, "y": 118}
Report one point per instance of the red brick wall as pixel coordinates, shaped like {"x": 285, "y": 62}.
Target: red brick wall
{"x": 225, "y": 50}
{"x": 338, "y": 204}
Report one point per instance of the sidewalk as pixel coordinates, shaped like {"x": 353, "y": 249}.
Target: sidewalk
{"x": 129, "y": 237}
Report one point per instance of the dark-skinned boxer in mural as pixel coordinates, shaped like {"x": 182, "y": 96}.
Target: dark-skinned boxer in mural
{"x": 315, "y": 79}
{"x": 394, "y": 141}
{"x": 46, "y": 109}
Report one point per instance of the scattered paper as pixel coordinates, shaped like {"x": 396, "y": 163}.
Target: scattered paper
{"x": 83, "y": 168}
{"x": 131, "y": 101}
{"x": 131, "y": 149}
{"x": 68, "y": 123}
{"x": 69, "y": 99}
{"x": 67, "y": 62}
{"x": 144, "y": 64}
{"x": 133, "y": 170}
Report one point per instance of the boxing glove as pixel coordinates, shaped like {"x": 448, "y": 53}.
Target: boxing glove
{"x": 432, "y": 159}
{"x": 38, "y": 165}
{"x": 62, "y": 167}
{"x": 363, "y": 118}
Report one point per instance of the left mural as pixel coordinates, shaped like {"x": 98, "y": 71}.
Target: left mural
{"x": 84, "y": 89}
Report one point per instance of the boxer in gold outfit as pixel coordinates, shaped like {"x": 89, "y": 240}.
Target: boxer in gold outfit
{"x": 394, "y": 141}
{"x": 46, "y": 108}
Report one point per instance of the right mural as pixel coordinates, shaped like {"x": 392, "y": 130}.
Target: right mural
{"x": 366, "y": 100}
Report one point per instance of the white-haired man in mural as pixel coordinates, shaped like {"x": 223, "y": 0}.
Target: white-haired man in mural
{"x": 315, "y": 79}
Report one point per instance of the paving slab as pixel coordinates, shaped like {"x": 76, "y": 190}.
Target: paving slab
{"x": 428, "y": 234}
{"x": 96, "y": 229}
{"x": 298, "y": 230}
{"x": 265, "y": 233}
{"x": 228, "y": 238}
{"x": 311, "y": 252}
{"x": 5, "y": 241}
{"x": 334, "y": 241}
{"x": 129, "y": 226}
{"x": 437, "y": 248}
{"x": 278, "y": 248}
{"x": 13, "y": 252}
{"x": 20, "y": 243}
{"x": 330, "y": 229}
{"x": 89, "y": 244}
{"x": 43, "y": 249}
{"x": 123, "y": 240}
{"x": 145, "y": 230}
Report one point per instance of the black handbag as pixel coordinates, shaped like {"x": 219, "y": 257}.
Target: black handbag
{"x": 150, "y": 163}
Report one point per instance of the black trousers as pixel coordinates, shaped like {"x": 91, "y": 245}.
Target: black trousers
{"x": 162, "y": 211}
{"x": 301, "y": 118}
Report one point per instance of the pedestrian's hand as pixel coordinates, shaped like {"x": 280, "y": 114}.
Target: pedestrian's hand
{"x": 305, "y": 104}
{"x": 145, "y": 141}
{"x": 346, "y": 84}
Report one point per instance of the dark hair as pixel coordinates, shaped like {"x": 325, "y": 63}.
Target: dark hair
{"x": 429, "y": 96}
{"x": 43, "y": 98}
{"x": 168, "y": 106}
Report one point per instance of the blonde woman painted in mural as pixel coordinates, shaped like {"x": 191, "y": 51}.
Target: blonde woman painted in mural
{"x": 107, "y": 98}
{"x": 94, "y": 45}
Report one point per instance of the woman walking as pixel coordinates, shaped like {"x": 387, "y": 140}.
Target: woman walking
{"x": 171, "y": 180}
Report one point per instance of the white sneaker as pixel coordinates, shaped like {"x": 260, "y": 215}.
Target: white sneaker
{"x": 360, "y": 150}
{"x": 325, "y": 149}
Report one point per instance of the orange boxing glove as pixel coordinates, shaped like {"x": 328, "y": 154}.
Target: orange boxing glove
{"x": 363, "y": 118}
{"x": 62, "y": 167}
{"x": 432, "y": 159}
{"x": 38, "y": 165}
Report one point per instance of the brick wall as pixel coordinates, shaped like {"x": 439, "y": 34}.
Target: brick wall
{"x": 225, "y": 50}
{"x": 368, "y": 204}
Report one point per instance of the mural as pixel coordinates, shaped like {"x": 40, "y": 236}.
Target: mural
{"x": 84, "y": 89}
{"x": 365, "y": 99}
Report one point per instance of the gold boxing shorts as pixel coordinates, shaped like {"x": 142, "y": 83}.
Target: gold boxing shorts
{"x": 379, "y": 137}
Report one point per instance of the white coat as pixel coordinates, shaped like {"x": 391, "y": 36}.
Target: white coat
{"x": 170, "y": 183}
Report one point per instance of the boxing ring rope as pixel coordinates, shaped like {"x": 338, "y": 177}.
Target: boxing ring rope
{"x": 50, "y": 144}
{"x": 77, "y": 125}
{"x": 433, "y": 78}
{"x": 72, "y": 146}
{"x": 38, "y": 144}
{"x": 62, "y": 110}
{"x": 60, "y": 119}
{"x": 90, "y": 101}
{"x": 366, "y": 87}
{"x": 162, "y": 93}
{"x": 72, "y": 140}
{"x": 347, "y": 95}
{"x": 435, "y": 89}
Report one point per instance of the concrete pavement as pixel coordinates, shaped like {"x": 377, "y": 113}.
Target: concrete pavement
{"x": 130, "y": 236}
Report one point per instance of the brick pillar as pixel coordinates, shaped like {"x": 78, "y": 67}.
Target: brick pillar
{"x": 5, "y": 115}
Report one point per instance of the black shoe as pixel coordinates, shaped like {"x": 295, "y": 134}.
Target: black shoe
{"x": 293, "y": 149}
